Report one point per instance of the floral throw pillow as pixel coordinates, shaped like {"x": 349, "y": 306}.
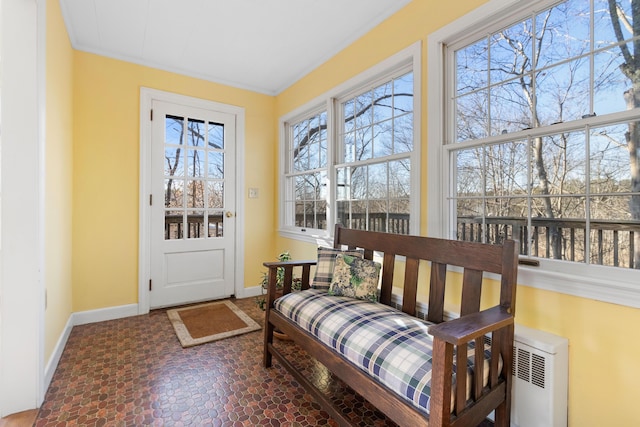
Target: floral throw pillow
{"x": 326, "y": 264}
{"x": 355, "y": 277}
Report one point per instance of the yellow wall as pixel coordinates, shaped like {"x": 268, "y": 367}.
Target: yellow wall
{"x": 58, "y": 177}
{"x": 97, "y": 175}
{"x": 603, "y": 372}
{"x": 106, "y": 174}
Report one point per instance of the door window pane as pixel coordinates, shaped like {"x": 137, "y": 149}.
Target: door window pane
{"x": 195, "y": 163}
{"x": 174, "y": 130}
{"x": 195, "y": 194}
{"x": 195, "y": 224}
{"x": 215, "y": 191}
{"x": 174, "y": 162}
{"x": 194, "y": 178}
{"x": 216, "y": 136}
{"x": 195, "y": 133}
{"x": 173, "y": 193}
{"x": 216, "y": 165}
{"x": 216, "y": 224}
{"x": 173, "y": 225}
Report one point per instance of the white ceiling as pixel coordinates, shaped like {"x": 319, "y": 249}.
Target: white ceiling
{"x": 260, "y": 45}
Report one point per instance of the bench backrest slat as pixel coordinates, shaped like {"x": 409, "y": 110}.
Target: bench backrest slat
{"x": 388, "y": 267}
{"x": 436, "y": 292}
{"x": 410, "y": 291}
{"x": 471, "y": 287}
{"x": 441, "y": 253}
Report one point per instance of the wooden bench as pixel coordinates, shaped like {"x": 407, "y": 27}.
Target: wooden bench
{"x": 450, "y": 403}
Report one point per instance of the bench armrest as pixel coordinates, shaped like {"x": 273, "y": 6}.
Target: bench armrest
{"x": 275, "y": 264}
{"x": 459, "y": 333}
{"x": 287, "y": 267}
{"x": 467, "y": 328}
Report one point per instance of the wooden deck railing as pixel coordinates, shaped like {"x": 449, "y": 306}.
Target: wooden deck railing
{"x": 612, "y": 242}
{"x": 174, "y": 227}
{"x": 397, "y": 222}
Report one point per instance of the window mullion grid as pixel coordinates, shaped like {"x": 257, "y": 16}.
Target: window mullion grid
{"x": 450, "y": 147}
{"x": 587, "y": 205}
{"x": 290, "y": 176}
{"x": 329, "y": 168}
{"x": 451, "y": 134}
{"x": 338, "y": 162}
{"x": 366, "y": 200}
{"x": 289, "y": 194}
{"x": 534, "y": 68}
{"x": 185, "y": 181}
{"x": 592, "y": 67}
{"x": 485, "y": 229}
{"x": 306, "y": 173}
{"x": 587, "y": 231}
{"x": 489, "y": 87}
{"x": 335, "y": 148}
{"x": 452, "y": 194}
{"x": 528, "y": 235}
{"x": 206, "y": 181}
{"x": 388, "y": 198}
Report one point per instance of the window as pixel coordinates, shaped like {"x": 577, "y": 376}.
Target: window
{"x": 374, "y": 175}
{"x": 348, "y": 156}
{"x": 306, "y": 177}
{"x": 541, "y": 135}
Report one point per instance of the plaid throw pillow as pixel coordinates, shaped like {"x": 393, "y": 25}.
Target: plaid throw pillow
{"x": 326, "y": 264}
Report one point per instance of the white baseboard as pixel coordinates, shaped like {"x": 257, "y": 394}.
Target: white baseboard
{"x": 254, "y": 291}
{"x": 102, "y": 314}
{"x": 52, "y": 364}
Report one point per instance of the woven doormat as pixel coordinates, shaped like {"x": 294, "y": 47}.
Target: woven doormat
{"x": 213, "y": 321}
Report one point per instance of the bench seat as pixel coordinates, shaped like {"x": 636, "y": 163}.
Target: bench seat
{"x": 391, "y": 346}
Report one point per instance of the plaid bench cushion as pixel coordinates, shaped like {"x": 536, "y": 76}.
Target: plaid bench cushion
{"x": 391, "y": 346}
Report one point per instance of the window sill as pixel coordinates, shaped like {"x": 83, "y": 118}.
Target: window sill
{"x": 312, "y": 236}
{"x": 606, "y": 284}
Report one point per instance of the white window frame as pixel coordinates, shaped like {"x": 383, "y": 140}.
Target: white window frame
{"x": 601, "y": 283}
{"x": 286, "y": 162}
{"x": 411, "y": 57}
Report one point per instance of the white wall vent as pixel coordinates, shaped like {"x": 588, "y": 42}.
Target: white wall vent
{"x": 540, "y": 379}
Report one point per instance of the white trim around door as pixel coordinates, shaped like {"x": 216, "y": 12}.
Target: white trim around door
{"x": 147, "y": 96}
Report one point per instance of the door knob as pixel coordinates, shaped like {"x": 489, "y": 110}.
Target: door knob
{"x": 229, "y": 214}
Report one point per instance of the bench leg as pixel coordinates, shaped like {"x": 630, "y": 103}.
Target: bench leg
{"x": 503, "y": 412}
{"x": 502, "y": 417}
{"x": 268, "y": 340}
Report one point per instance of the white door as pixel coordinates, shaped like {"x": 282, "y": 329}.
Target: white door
{"x": 192, "y": 204}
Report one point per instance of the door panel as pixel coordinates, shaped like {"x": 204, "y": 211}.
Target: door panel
{"x": 192, "y": 267}
{"x": 193, "y": 204}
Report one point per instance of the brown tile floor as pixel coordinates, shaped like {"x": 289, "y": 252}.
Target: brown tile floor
{"x": 133, "y": 372}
